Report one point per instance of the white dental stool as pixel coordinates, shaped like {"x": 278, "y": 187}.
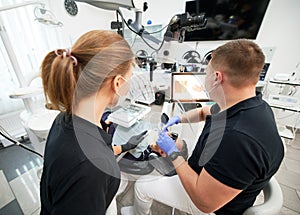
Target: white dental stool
{"x": 272, "y": 200}
{"x": 36, "y": 119}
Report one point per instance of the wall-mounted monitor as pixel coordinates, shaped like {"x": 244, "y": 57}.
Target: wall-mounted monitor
{"x": 227, "y": 20}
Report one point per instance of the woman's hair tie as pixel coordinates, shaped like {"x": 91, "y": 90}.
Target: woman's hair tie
{"x": 66, "y": 53}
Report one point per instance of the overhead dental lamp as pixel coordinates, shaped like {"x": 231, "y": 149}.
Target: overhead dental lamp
{"x": 138, "y": 6}
{"x": 115, "y": 4}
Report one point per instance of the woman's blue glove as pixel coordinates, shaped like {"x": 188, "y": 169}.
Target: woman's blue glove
{"x": 166, "y": 143}
{"x": 174, "y": 120}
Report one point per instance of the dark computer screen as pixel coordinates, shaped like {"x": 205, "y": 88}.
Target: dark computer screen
{"x": 227, "y": 19}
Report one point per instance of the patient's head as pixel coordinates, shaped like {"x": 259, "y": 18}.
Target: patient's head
{"x": 181, "y": 145}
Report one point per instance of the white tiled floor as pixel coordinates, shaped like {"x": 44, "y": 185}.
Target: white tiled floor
{"x": 24, "y": 186}
{"x": 20, "y": 168}
{"x": 6, "y": 194}
{"x": 27, "y": 191}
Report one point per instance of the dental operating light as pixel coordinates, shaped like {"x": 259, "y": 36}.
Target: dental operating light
{"x": 115, "y": 4}
{"x": 138, "y": 6}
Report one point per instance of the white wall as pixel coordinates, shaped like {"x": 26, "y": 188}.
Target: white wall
{"x": 280, "y": 27}
{"x": 88, "y": 18}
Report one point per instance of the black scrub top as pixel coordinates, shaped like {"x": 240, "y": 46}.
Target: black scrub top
{"x": 80, "y": 173}
{"x": 250, "y": 150}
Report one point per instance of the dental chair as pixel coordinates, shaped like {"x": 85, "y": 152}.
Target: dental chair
{"x": 273, "y": 200}
{"x": 36, "y": 119}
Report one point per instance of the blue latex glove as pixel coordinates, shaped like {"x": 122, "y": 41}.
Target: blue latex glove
{"x": 166, "y": 143}
{"x": 174, "y": 120}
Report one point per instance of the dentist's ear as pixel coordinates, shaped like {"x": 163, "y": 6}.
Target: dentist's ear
{"x": 219, "y": 77}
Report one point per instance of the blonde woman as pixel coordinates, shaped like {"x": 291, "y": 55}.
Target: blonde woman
{"x": 80, "y": 173}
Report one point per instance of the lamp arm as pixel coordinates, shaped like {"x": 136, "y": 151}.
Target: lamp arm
{"x": 115, "y": 4}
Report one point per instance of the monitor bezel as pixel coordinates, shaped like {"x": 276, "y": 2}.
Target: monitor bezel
{"x": 185, "y": 100}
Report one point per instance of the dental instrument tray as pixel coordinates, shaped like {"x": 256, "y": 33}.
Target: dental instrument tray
{"x": 129, "y": 115}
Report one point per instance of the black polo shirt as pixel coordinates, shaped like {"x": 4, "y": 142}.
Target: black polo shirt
{"x": 241, "y": 148}
{"x": 80, "y": 173}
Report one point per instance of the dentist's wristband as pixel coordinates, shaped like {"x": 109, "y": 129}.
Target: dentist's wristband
{"x": 174, "y": 155}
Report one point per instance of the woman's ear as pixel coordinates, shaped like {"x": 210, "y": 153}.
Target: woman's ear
{"x": 115, "y": 84}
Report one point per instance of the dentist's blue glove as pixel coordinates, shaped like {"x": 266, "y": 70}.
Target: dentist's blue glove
{"x": 174, "y": 120}
{"x": 166, "y": 143}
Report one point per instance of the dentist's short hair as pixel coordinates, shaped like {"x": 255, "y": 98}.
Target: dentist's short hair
{"x": 241, "y": 60}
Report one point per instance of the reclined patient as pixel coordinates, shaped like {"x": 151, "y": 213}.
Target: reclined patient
{"x": 153, "y": 157}
{"x": 144, "y": 160}
{"x": 156, "y": 150}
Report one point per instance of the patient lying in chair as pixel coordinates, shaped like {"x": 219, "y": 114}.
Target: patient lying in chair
{"x": 153, "y": 157}
{"x": 145, "y": 158}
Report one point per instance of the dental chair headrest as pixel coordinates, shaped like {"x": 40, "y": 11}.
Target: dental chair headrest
{"x": 129, "y": 165}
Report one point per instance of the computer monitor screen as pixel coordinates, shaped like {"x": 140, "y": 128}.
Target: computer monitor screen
{"x": 227, "y": 20}
{"x": 188, "y": 87}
